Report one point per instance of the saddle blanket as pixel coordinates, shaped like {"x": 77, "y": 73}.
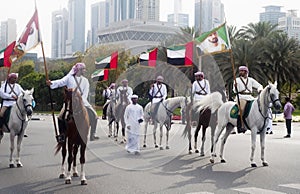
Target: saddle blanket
{"x": 234, "y": 112}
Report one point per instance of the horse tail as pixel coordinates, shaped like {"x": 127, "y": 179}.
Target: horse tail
{"x": 212, "y": 101}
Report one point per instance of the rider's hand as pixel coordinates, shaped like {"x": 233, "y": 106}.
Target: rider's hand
{"x": 48, "y": 82}
{"x": 14, "y": 97}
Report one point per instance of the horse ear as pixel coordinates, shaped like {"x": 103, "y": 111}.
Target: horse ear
{"x": 32, "y": 90}
{"x": 269, "y": 82}
{"x": 275, "y": 84}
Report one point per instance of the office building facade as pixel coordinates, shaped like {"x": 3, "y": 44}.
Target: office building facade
{"x": 271, "y": 14}
{"x": 8, "y": 32}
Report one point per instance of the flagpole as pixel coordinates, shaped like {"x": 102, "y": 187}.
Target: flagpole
{"x": 235, "y": 86}
{"x": 59, "y": 138}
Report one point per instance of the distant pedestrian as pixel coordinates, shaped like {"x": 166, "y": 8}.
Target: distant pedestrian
{"x": 133, "y": 117}
{"x": 288, "y": 110}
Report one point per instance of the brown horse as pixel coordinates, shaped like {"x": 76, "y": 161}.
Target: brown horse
{"x": 77, "y": 129}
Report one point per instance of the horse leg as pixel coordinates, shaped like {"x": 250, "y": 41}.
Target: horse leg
{"x": 154, "y": 134}
{"x": 196, "y": 137}
{"x": 216, "y": 138}
{"x": 253, "y": 145}
{"x": 203, "y": 140}
{"x": 75, "y": 151}
{"x": 70, "y": 159}
{"x": 145, "y": 133}
{"x": 82, "y": 162}
{"x": 161, "y": 136}
{"x": 63, "y": 154}
{"x": 189, "y": 137}
{"x": 19, "y": 142}
{"x": 262, "y": 145}
{"x": 224, "y": 138}
{"x": 109, "y": 129}
{"x": 12, "y": 147}
{"x": 116, "y": 131}
{"x": 167, "y": 139}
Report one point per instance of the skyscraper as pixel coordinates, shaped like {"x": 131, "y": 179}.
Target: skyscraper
{"x": 59, "y": 33}
{"x": 99, "y": 18}
{"x": 8, "y": 32}
{"x": 208, "y": 14}
{"x": 76, "y": 27}
{"x": 290, "y": 24}
{"x": 178, "y": 18}
{"x": 121, "y": 10}
{"x": 272, "y": 14}
{"x": 147, "y": 10}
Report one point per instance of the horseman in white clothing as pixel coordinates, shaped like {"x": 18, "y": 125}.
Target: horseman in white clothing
{"x": 200, "y": 86}
{"x": 107, "y": 94}
{"x": 158, "y": 93}
{"x": 9, "y": 92}
{"x": 125, "y": 87}
{"x": 133, "y": 117}
{"x": 75, "y": 80}
{"x": 244, "y": 86}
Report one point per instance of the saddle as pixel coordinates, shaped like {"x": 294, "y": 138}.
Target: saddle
{"x": 6, "y": 115}
{"x": 234, "y": 112}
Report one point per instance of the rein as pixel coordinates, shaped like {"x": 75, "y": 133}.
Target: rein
{"x": 22, "y": 114}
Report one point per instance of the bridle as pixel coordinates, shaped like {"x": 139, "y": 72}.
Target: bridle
{"x": 22, "y": 113}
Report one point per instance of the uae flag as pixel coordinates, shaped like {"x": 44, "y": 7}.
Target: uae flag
{"x": 180, "y": 55}
{"x": 110, "y": 62}
{"x": 149, "y": 59}
{"x": 100, "y": 75}
{"x": 214, "y": 41}
{"x": 5, "y": 55}
{"x": 30, "y": 37}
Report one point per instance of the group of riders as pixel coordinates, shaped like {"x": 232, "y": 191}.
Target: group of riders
{"x": 75, "y": 80}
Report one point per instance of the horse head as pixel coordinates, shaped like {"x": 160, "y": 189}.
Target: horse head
{"x": 25, "y": 101}
{"x": 274, "y": 95}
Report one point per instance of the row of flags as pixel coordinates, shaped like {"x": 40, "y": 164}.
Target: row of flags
{"x": 212, "y": 42}
{"x": 28, "y": 40}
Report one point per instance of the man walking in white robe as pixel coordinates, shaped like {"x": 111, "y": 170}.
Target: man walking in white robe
{"x": 133, "y": 117}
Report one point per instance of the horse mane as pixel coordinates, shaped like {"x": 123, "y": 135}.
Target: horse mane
{"x": 261, "y": 98}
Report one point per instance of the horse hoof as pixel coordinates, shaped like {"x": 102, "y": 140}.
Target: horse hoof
{"x": 109, "y": 136}
{"x": 190, "y": 152}
{"x": 212, "y": 161}
{"x": 116, "y": 139}
{"x": 156, "y": 146}
{"x": 202, "y": 154}
{"x": 167, "y": 147}
{"x": 161, "y": 148}
{"x": 19, "y": 165}
{"x": 197, "y": 151}
{"x": 61, "y": 176}
{"x": 144, "y": 146}
{"x": 214, "y": 155}
{"x": 253, "y": 165}
{"x": 83, "y": 182}
{"x": 75, "y": 174}
{"x": 11, "y": 165}
{"x": 223, "y": 161}
{"x": 265, "y": 164}
{"x": 68, "y": 181}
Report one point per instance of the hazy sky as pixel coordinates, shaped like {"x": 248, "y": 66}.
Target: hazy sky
{"x": 237, "y": 12}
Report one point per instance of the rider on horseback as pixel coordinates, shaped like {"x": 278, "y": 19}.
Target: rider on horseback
{"x": 9, "y": 92}
{"x": 158, "y": 93}
{"x": 107, "y": 93}
{"x": 75, "y": 80}
{"x": 200, "y": 86}
{"x": 123, "y": 87}
{"x": 244, "y": 86}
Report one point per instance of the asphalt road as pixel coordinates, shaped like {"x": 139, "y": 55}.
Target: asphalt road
{"x": 110, "y": 169}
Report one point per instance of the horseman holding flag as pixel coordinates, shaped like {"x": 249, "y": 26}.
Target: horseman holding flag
{"x": 244, "y": 86}
{"x": 158, "y": 93}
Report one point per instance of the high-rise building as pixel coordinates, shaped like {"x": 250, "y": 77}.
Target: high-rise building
{"x": 59, "y": 33}
{"x": 8, "y": 32}
{"x": 147, "y": 10}
{"x": 121, "y": 10}
{"x": 290, "y": 24}
{"x": 178, "y": 18}
{"x": 208, "y": 14}
{"x": 76, "y": 27}
{"x": 272, "y": 14}
{"x": 99, "y": 18}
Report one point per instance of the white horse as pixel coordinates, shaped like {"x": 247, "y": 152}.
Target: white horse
{"x": 256, "y": 121}
{"x": 17, "y": 123}
{"x": 162, "y": 116}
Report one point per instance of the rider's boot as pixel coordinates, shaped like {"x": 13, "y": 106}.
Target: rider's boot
{"x": 240, "y": 127}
